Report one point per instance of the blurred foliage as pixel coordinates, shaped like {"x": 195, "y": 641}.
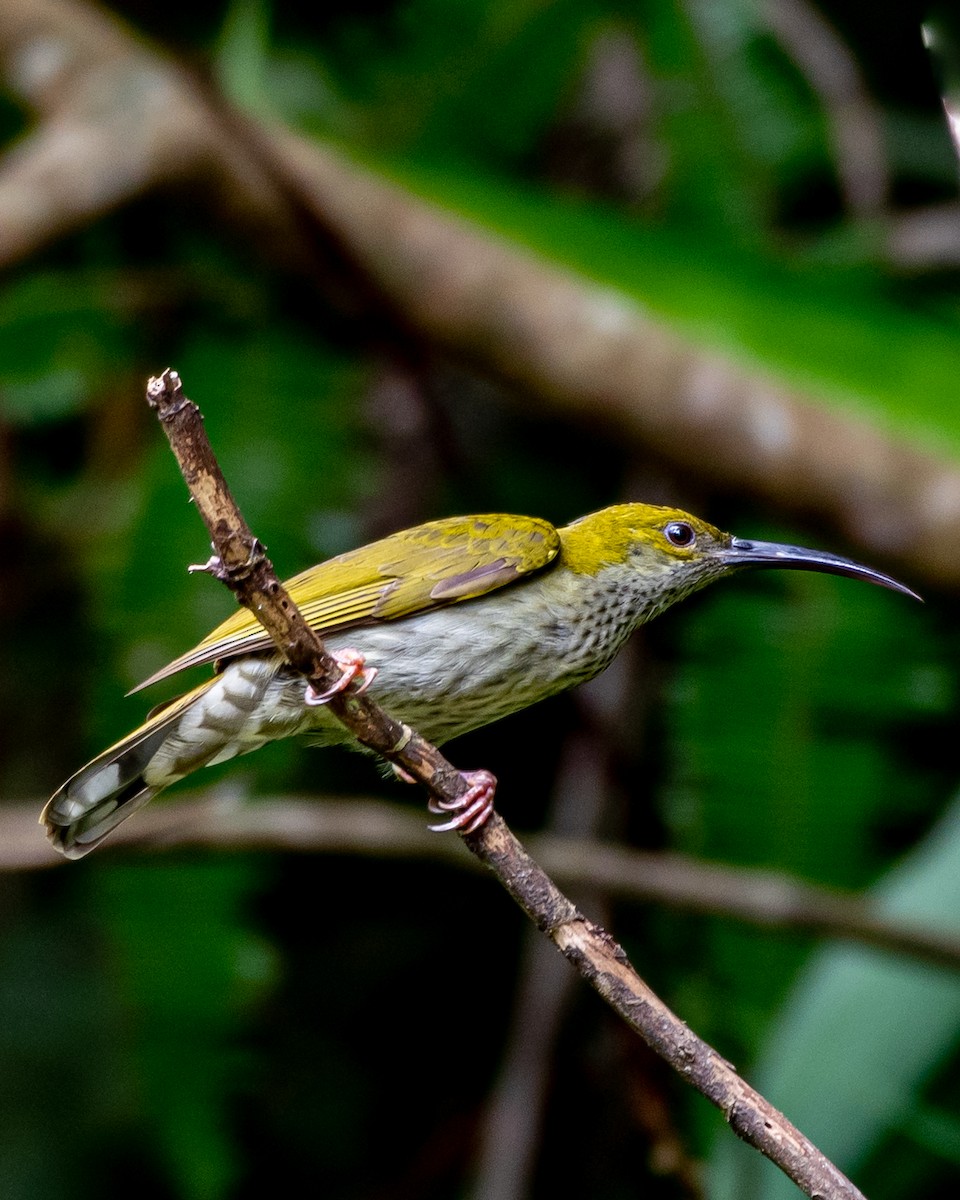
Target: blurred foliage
{"x": 199, "y": 1025}
{"x": 880, "y": 1066}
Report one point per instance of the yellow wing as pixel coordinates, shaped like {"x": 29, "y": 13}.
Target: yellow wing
{"x": 426, "y": 567}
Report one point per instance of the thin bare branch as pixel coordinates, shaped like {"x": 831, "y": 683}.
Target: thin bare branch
{"x": 854, "y": 123}
{"x": 239, "y": 561}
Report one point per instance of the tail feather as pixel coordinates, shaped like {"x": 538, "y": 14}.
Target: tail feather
{"x": 112, "y": 787}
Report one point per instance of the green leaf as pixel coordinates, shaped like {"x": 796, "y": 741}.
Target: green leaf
{"x": 242, "y": 55}
{"x": 861, "y": 1032}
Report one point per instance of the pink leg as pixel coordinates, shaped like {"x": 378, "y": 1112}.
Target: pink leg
{"x": 473, "y": 808}
{"x": 353, "y": 664}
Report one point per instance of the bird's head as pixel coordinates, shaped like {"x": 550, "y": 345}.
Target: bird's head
{"x": 670, "y": 553}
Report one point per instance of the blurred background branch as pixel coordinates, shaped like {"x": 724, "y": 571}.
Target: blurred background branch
{"x": 369, "y": 827}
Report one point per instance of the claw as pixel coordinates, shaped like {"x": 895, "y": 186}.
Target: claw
{"x": 353, "y": 665}
{"x": 472, "y": 809}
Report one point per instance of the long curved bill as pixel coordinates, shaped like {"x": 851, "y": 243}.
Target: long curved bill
{"x": 743, "y": 553}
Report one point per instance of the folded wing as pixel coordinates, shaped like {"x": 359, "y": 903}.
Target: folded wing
{"x": 439, "y": 563}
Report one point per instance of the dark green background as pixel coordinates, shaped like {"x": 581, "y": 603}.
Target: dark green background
{"x": 212, "y": 1025}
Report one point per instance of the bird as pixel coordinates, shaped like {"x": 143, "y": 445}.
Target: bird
{"x": 450, "y": 625}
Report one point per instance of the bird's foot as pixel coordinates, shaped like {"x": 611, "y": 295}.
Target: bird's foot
{"x": 354, "y": 666}
{"x": 472, "y": 809}
{"x": 401, "y": 774}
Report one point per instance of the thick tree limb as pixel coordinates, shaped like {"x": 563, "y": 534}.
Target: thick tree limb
{"x": 580, "y": 349}
{"x": 119, "y": 118}
{"x": 116, "y": 119}
{"x": 240, "y": 562}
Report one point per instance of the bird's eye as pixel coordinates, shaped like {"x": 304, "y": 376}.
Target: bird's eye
{"x": 679, "y": 533}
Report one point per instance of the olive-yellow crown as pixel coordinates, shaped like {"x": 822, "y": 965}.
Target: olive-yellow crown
{"x": 639, "y": 533}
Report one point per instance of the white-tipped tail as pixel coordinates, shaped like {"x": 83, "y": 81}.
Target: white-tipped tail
{"x": 111, "y": 787}
{"x": 250, "y": 702}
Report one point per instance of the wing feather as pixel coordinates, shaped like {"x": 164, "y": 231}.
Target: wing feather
{"x": 432, "y": 565}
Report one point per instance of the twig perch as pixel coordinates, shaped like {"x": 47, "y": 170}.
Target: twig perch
{"x": 240, "y": 562}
